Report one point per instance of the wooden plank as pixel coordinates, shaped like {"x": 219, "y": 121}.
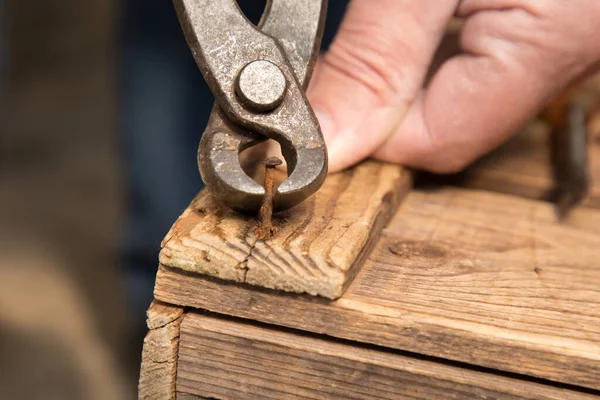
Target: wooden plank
{"x": 160, "y": 314}
{"x": 228, "y": 359}
{"x": 319, "y": 246}
{"x": 486, "y": 279}
{"x": 522, "y": 166}
{"x": 159, "y": 356}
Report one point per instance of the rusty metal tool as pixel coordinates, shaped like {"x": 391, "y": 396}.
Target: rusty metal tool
{"x": 568, "y": 151}
{"x": 259, "y": 76}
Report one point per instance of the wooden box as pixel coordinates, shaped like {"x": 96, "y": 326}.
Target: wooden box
{"x": 456, "y": 292}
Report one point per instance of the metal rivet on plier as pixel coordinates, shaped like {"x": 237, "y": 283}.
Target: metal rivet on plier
{"x": 261, "y": 86}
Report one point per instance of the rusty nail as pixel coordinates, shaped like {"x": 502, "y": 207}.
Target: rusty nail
{"x": 266, "y": 209}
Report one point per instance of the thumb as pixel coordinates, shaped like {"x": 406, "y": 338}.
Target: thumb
{"x": 373, "y": 72}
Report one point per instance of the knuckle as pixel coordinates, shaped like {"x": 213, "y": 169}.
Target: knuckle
{"x": 573, "y": 31}
{"x": 373, "y": 58}
{"x": 553, "y": 37}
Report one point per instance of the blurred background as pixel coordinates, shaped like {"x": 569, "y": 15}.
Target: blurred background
{"x": 101, "y": 111}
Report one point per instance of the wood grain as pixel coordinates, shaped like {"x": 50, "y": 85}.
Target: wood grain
{"x": 319, "y": 246}
{"x": 159, "y": 356}
{"x": 486, "y": 279}
{"x": 227, "y": 359}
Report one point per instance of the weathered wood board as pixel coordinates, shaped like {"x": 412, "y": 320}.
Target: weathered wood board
{"x": 159, "y": 357}
{"x": 486, "y": 279}
{"x": 319, "y": 246}
{"x": 230, "y": 359}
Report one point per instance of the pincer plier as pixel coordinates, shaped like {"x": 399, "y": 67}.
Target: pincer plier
{"x": 258, "y": 75}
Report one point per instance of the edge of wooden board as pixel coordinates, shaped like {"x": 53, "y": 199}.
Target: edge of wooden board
{"x": 320, "y": 244}
{"x": 159, "y": 356}
{"x": 229, "y": 358}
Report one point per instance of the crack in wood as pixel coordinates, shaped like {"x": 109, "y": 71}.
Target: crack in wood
{"x": 243, "y": 265}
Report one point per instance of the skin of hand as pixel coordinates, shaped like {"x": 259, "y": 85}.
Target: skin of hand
{"x": 516, "y": 55}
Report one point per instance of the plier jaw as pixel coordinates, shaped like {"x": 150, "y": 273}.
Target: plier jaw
{"x": 259, "y": 78}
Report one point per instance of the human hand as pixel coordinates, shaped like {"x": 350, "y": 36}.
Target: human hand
{"x": 516, "y": 54}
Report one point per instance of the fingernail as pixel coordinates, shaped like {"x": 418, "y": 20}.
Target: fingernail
{"x": 326, "y": 123}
